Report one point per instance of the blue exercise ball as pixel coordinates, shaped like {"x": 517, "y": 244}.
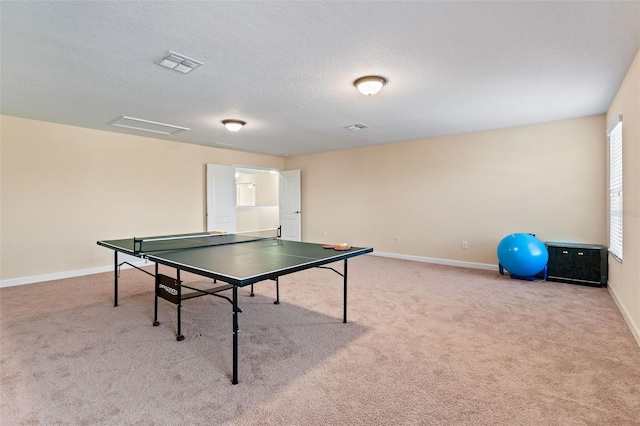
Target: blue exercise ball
{"x": 522, "y": 254}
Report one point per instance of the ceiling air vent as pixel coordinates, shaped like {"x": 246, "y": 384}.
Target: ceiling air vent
{"x": 178, "y": 62}
{"x": 147, "y": 126}
{"x": 356, "y": 126}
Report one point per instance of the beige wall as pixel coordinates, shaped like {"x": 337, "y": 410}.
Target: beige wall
{"x": 64, "y": 188}
{"x": 547, "y": 179}
{"x": 624, "y": 277}
{"x": 257, "y": 218}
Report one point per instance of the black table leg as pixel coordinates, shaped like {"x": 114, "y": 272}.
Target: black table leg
{"x": 115, "y": 279}
{"x": 345, "y": 291}
{"x": 179, "y": 337}
{"x": 155, "y": 301}
{"x": 236, "y": 330}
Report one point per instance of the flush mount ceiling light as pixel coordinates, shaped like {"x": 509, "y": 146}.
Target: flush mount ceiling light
{"x": 178, "y": 62}
{"x": 233, "y": 125}
{"x": 370, "y": 85}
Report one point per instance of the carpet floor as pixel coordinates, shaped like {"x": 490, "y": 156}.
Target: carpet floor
{"x": 425, "y": 345}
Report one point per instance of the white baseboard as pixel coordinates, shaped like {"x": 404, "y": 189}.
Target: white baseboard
{"x": 66, "y": 274}
{"x": 140, "y": 263}
{"x": 635, "y": 331}
{"x": 448, "y": 262}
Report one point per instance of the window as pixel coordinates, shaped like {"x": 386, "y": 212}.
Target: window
{"x": 615, "y": 188}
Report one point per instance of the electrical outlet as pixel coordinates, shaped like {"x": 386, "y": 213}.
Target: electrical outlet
{"x": 324, "y": 232}
{"x": 465, "y": 245}
{"x": 397, "y": 239}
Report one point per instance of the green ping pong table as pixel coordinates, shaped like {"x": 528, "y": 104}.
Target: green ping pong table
{"x": 237, "y": 260}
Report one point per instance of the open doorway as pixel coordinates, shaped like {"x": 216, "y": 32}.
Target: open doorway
{"x": 268, "y": 200}
{"x": 257, "y": 199}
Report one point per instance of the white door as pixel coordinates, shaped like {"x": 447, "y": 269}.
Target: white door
{"x": 290, "y": 217}
{"x": 221, "y": 198}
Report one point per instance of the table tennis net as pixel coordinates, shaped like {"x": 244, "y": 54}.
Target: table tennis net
{"x": 197, "y": 240}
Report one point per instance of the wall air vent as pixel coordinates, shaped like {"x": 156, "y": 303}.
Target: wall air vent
{"x": 356, "y": 126}
{"x": 147, "y": 126}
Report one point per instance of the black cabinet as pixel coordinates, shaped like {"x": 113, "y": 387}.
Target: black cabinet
{"x": 584, "y": 264}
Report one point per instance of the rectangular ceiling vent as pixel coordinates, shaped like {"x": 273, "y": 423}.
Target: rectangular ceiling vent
{"x": 356, "y": 126}
{"x": 178, "y": 62}
{"x": 147, "y": 126}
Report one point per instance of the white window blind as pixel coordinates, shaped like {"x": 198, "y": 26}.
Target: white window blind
{"x": 615, "y": 188}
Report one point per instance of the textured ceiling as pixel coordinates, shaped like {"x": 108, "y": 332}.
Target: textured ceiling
{"x": 287, "y": 68}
